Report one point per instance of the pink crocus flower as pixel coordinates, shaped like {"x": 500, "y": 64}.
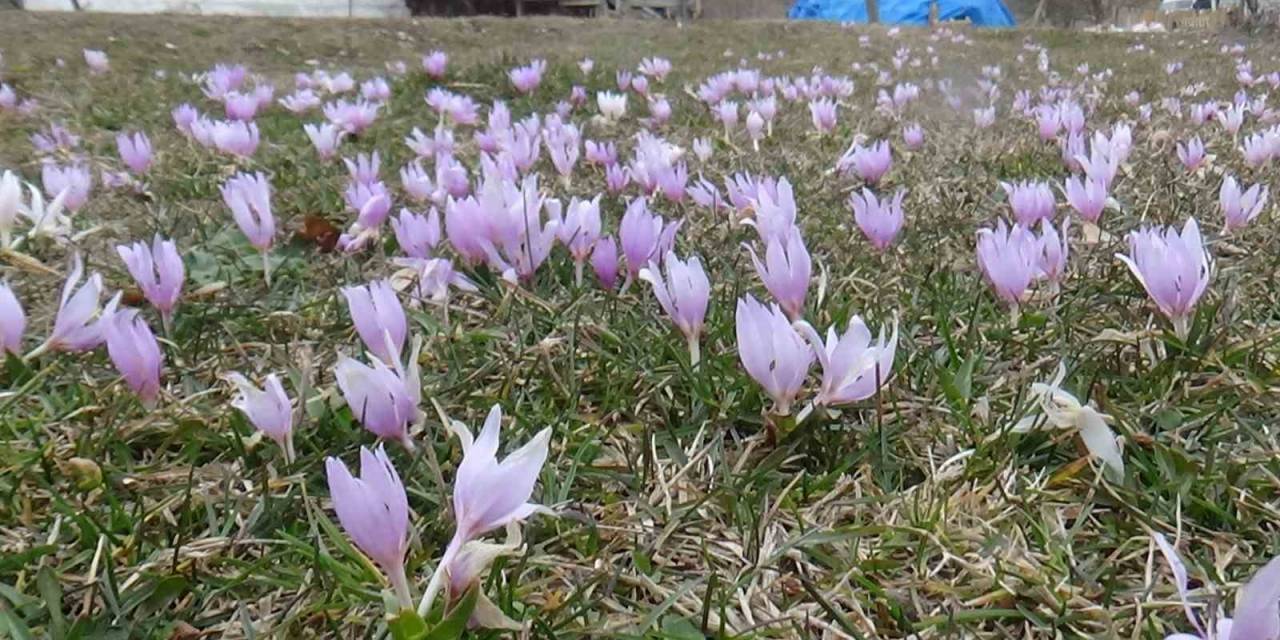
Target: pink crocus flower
{"x": 235, "y": 138}
{"x": 604, "y": 262}
{"x": 1174, "y": 267}
{"x": 869, "y": 163}
{"x": 301, "y": 101}
{"x": 785, "y": 270}
{"x": 375, "y": 90}
{"x": 913, "y": 137}
{"x": 240, "y": 106}
{"x": 1192, "y": 154}
{"x": 374, "y": 511}
{"x": 77, "y": 326}
{"x": 1254, "y": 616}
{"x": 823, "y": 112}
{"x": 488, "y": 494}
{"x": 429, "y": 280}
{"x": 683, "y": 293}
{"x": 1239, "y": 208}
{"x": 1087, "y": 197}
{"x": 417, "y": 235}
{"x": 325, "y": 137}
{"x": 644, "y": 236}
{"x": 853, "y": 367}
{"x": 74, "y": 180}
{"x": 1031, "y": 201}
{"x": 880, "y": 220}
{"x": 435, "y": 64}
{"x": 135, "y": 352}
{"x": 602, "y": 153}
{"x": 364, "y": 168}
{"x": 382, "y": 398}
{"x": 183, "y": 117}
{"x": 268, "y": 409}
{"x": 527, "y": 78}
{"x": 249, "y": 198}
{"x": 579, "y": 230}
{"x": 1009, "y": 259}
{"x": 379, "y": 318}
{"x": 97, "y": 61}
{"x": 1054, "y": 249}
{"x": 159, "y": 272}
{"x": 772, "y": 352}
{"x": 1048, "y": 123}
{"x": 616, "y": 178}
{"x": 13, "y": 321}
{"x": 135, "y": 152}
{"x": 352, "y": 117}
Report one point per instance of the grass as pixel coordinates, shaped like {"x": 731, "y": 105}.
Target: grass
{"x": 679, "y": 515}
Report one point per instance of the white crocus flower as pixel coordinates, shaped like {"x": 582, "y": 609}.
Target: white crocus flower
{"x": 1059, "y": 409}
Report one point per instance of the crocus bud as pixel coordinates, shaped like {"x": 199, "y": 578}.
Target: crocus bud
{"x": 1174, "y": 268}
{"x": 785, "y": 271}
{"x": 604, "y": 261}
{"x": 771, "y": 351}
{"x": 435, "y": 63}
{"x": 135, "y": 152}
{"x": 135, "y": 353}
{"x": 249, "y": 198}
{"x": 13, "y": 321}
{"x": 379, "y": 318}
{"x": 880, "y": 220}
{"x": 853, "y": 368}
{"x": 159, "y": 272}
{"x": 374, "y": 511}
{"x": 683, "y": 294}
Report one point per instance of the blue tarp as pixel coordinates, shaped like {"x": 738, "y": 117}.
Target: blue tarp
{"x": 989, "y": 13}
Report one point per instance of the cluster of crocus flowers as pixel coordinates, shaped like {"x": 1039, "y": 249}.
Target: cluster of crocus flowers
{"x": 1055, "y": 408}
{"x": 1174, "y": 267}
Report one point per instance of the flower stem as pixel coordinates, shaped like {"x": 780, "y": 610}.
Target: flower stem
{"x": 437, "y": 576}
{"x": 400, "y": 583}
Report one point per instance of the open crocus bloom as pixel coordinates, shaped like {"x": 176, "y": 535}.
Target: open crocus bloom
{"x": 374, "y": 511}
{"x": 853, "y": 368}
{"x": 1174, "y": 267}
{"x": 1257, "y": 612}
{"x": 1060, "y": 410}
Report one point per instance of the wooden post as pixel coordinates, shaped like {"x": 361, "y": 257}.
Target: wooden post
{"x": 873, "y": 11}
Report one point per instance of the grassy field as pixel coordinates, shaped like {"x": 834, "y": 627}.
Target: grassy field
{"x": 683, "y": 509}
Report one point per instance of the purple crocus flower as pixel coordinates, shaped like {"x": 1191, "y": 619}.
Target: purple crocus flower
{"x": 1239, "y": 208}
{"x": 10, "y": 206}
{"x": 869, "y": 163}
{"x": 641, "y": 233}
{"x": 77, "y": 326}
{"x": 1054, "y": 250}
{"x": 435, "y": 64}
{"x": 364, "y": 168}
{"x": 1087, "y": 197}
{"x": 772, "y": 352}
{"x": 301, "y": 101}
{"x": 527, "y": 78}
{"x": 159, "y": 272}
{"x": 240, "y": 106}
{"x": 184, "y": 115}
{"x": 374, "y": 511}
{"x": 352, "y": 117}
{"x": 13, "y": 321}
{"x": 488, "y": 494}
{"x": 823, "y": 111}
{"x": 616, "y": 178}
{"x": 97, "y": 61}
{"x": 135, "y": 352}
{"x": 1048, "y": 122}
{"x": 1031, "y": 201}
{"x": 416, "y": 234}
{"x": 268, "y": 409}
{"x": 1174, "y": 268}
{"x": 603, "y": 153}
{"x": 73, "y": 179}
{"x": 379, "y": 318}
{"x": 1192, "y": 154}
{"x": 1257, "y": 603}
{"x": 880, "y": 220}
{"x": 1009, "y": 259}
{"x": 785, "y": 270}
{"x": 370, "y": 201}
{"x": 325, "y": 137}
{"x": 853, "y": 367}
{"x": 913, "y": 137}
{"x": 604, "y": 262}
{"x": 579, "y": 230}
{"x": 235, "y": 138}
{"x": 135, "y": 152}
{"x": 683, "y": 293}
{"x": 375, "y": 90}
{"x": 383, "y": 398}
{"x": 249, "y": 198}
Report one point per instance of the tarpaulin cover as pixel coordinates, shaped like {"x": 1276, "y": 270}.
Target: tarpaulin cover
{"x": 990, "y": 13}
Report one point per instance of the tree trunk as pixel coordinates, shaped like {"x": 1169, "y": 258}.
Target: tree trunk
{"x": 873, "y": 11}
{"x": 1039, "y": 14}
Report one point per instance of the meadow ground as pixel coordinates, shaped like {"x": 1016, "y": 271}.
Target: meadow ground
{"x": 683, "y": 509}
